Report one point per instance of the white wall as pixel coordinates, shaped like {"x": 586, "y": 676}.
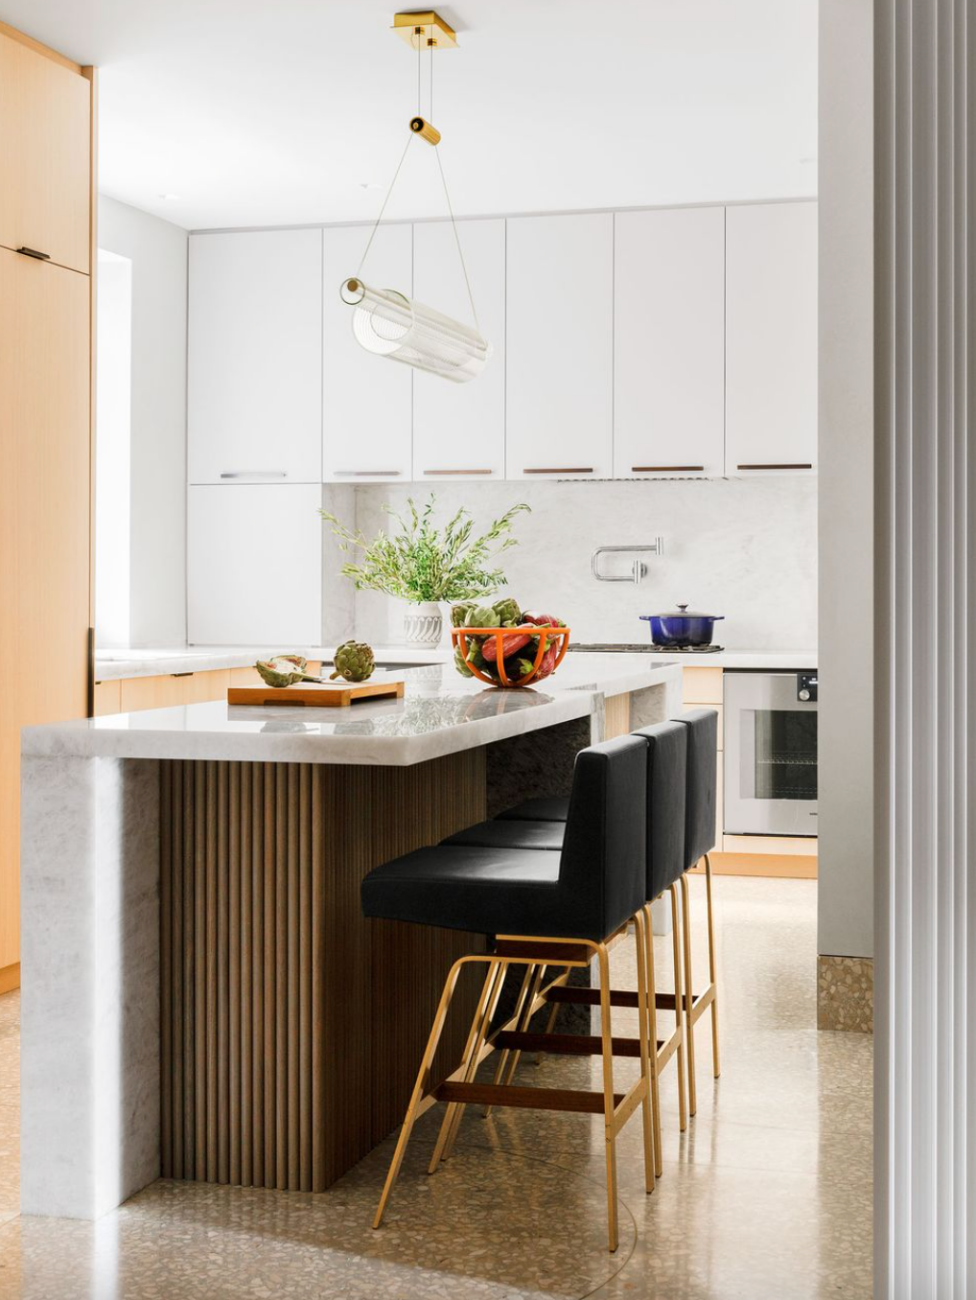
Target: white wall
{"x": 157, "y": 251}
{"x": 743, "y": 548}
{"x": 846, "y": 725}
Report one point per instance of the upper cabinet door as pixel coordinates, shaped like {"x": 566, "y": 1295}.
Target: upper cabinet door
{"x": 559, "y": 347}
{"x": 254, "y": 382}
{"x": 669, "y": 343}
{"x": 45, "y": 145}
{"x": 459, "y": 429}
{"x": 771, "y": 338}
{"x": 366, "y": 429}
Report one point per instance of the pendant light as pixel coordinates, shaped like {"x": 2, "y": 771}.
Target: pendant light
{"x": 385, "y": 321}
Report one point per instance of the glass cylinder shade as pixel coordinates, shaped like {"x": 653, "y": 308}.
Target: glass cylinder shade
{"x": 389, "y": 324}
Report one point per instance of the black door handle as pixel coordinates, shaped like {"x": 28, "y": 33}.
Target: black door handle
{"x": 32, "y": 252}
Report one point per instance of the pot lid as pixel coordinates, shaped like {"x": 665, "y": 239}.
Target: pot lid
{"x": 682, "y": 611}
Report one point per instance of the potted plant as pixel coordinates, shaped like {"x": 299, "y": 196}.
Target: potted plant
{"x": 426, "y": 565}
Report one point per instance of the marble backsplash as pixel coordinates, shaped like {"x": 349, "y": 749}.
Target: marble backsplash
{"x": 745, "y": 548}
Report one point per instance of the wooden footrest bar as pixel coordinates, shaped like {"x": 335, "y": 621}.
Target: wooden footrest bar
{"x": 591, "y": 997}
{"x": 497, "y": 1094}
{"x": 566, "y": 1044}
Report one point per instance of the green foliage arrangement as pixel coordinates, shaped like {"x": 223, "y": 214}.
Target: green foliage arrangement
{"x": 419, "y": 561}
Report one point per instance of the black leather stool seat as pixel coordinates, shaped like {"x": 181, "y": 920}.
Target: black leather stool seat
{"x": 515, "y": 834}
{"x": 554, "y": 808}
{"x": 667, "y": 762}
{"x": 585, "y": 891}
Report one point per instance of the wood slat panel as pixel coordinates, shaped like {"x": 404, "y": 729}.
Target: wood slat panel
{"x": 294, "y": 1025}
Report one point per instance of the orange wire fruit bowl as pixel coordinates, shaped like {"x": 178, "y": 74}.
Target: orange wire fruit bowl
{"x": 543, "y": 653}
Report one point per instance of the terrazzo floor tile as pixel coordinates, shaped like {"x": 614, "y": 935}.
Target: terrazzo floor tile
{"x": 767, "y": 1196}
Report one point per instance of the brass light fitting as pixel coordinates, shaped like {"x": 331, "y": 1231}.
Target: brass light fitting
{"x": 425, "y": 29}
{"x": 426, "y": 130}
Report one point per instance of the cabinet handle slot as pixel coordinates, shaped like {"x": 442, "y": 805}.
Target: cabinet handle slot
{"x": 33, "y": 252}
{"x": 565, "y": 469}
{"x": 434, "y": 473}
{"x": 254, "y": 473}
{"x": 668, "y": 469}
{"x": 785, "y": 466}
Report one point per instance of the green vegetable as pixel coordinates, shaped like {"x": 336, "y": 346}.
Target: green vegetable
{"x": 507, "y": 613}
{"x": 353, "y": 661}
{"x": 460, "y": 612}
{"x": 480, "y": 616}
{"x": 460, "y": 665}
{"x": 285, "y": 670}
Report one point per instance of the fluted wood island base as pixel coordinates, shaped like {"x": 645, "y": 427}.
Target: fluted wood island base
{"x": 290, "y": 1026}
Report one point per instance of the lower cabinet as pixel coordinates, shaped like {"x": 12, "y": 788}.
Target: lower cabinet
{"x": 134, "y": 694}
{"x": 254, "y": 565}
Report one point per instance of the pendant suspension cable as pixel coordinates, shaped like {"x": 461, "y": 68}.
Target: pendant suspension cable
{"x": 457, "y": 238}
{"x": 376, "y": 224}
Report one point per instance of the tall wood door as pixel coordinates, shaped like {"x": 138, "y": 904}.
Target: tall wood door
{"x": 44, "y": 527}
{"x": 559, "y": 347}
{"x": 669, "y": 343}
{"x": 45, "y": 155}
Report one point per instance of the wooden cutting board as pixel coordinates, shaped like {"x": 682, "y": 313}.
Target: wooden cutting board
{"x": 329, "y": 695}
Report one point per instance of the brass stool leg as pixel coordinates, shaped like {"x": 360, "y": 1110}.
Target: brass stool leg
{"x": 688, "y": 994}
{"x": 655, "y": 1079}
{"x": 490, "y": 993}
{"x": 515, "y": 1056}
{"x": 682, "y": 1029}
{"x": 608, "y": 1101}
{"x": 716, "y": 1069}
{"x": 525, "y": 998}
{"x": 650, "y": 1113}
{"x": 416, "y": 1097}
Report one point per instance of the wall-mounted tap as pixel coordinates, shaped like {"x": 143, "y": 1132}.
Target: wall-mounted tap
{"x": 638, "y": 568}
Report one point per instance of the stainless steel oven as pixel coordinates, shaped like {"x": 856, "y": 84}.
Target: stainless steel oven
{"x": 770, "y": 753}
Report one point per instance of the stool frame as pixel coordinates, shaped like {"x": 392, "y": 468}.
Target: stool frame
{"x": 696, "y": 1004}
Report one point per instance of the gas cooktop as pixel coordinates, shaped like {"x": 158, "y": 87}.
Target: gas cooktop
{"x": 597, "y": 647}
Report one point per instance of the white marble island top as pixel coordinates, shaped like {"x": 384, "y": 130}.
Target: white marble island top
{"x": 440, "y": 713}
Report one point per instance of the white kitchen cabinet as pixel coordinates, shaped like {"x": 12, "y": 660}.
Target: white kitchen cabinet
{"x": 459, "y": 429}
{"x": 254, "y": 380}
{"x": 367, "y": 421}
{"x": 254, "y": 565}
{"x": 771, "y": 338}
{"x": 669, "y": 343}
{"x": 559, "y": 347}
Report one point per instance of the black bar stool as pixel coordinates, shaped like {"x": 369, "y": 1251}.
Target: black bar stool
{"x": 667, "y": 746}
{"x": 700, "y": 822}
{"x": 544, "y": 909}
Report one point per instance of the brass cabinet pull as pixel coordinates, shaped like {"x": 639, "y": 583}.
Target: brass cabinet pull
{"x": 32, "y": 252}
{"x": 795, "y": 466}
{"x": 254, "y": 473}
{"x": 570, "y": 469}
{"x": 668, "y": 469}
{"x": 434, "y": 473}
{"x": 367, "y": 473}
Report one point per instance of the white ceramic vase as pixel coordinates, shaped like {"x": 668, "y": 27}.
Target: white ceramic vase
{"x": 423, "y": 624}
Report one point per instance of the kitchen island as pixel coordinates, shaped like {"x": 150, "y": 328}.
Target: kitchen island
{"x": 202, "y": 998}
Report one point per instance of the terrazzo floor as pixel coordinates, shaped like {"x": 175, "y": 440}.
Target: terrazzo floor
{"x": 768, "y": 1195}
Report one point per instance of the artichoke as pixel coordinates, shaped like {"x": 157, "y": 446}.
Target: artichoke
{"x": 507, "y": 612}
{"x": 460, "y": 612}
{"x": 353, "y": 661}
{"x": 285, "y": 670}
{"x": 480, "y": 616}
{"x": 460, "y": 665}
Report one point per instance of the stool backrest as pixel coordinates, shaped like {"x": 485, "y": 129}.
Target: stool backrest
{"x": 602, "y": 867}
{"x": 700, "y": 809}
{"x": 667, "y": 781}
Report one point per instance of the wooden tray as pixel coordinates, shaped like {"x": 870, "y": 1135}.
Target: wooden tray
{"x": 328, "y": 696}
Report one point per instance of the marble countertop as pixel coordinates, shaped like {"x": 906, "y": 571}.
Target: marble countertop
{"x": 161, "y": 661}
{"x": 440, "y": 713}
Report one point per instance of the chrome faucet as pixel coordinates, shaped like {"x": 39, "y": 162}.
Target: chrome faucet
{"x": 638, "y": 569}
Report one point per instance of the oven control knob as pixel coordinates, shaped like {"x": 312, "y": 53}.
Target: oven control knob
{"x": 803, "y": 695}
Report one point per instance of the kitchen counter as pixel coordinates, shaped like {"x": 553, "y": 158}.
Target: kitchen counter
{"x": 203, "y": 998}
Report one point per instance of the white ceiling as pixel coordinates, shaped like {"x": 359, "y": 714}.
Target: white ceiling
{"x": 266, "y": 112}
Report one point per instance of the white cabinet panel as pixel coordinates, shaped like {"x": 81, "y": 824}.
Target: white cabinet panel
{"x": 367, "y": 421}
{"x": 254, "y": 565}
{"x": 771, "y": 337}
{"x": 254, "y": 382}
{"x": 459, "y": 429}
{"x": 669, "y": 342}
{"x": 559, "y": 347}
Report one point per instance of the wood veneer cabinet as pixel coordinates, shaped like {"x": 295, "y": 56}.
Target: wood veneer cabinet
{"x": 46, "y": 190}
